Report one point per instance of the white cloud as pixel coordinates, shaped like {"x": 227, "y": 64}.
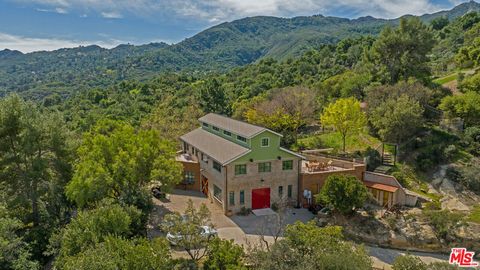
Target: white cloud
{"x": 61, "y": 10}
{"x": 215, "y": 10}
{"x": 28, "y": 44}
{"x": 111, "y": 15}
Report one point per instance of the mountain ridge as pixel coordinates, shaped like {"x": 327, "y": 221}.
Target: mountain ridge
{"x": 218, "y": 48}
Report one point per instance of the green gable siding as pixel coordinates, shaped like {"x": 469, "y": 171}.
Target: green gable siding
{"x": 260, "y": 153}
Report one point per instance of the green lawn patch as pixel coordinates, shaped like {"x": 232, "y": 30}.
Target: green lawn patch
{"x": 475, "y": 215}
{"x": 358, "y": 142}
{"x": 446, "y": 79}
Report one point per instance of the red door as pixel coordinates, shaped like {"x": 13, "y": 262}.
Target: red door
{"x": 261, "y": 198}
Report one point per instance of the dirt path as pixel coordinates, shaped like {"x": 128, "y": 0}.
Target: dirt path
{"x": 383, "y": 258}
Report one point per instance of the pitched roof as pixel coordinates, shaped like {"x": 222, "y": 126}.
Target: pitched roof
{"x": 235, "y": 126}
{"x": 216, "y": 147}
{"x": 380, "y": 186}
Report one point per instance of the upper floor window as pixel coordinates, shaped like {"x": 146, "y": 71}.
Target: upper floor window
{"x": 217, "y": 166}
{"x": 228, "y": 133}
{"x": 242, "y": 139}
{"x": 265, "y": 167}
{"x": 215, "y": 128}
{"x": 287, "y": 165}
{"x": 265, "y": 142}
{"x": 205, "y": 125}
{"x": 240, "y": 169}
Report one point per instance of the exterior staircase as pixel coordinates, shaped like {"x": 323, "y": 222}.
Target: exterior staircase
{"x": 383, "y": 169}
{"x": 388, "y": 159}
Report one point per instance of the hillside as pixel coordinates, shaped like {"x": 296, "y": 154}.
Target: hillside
{"x": 221, "y": 47}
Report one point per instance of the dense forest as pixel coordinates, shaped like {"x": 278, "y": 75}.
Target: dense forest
{"x": 85, "y": 133}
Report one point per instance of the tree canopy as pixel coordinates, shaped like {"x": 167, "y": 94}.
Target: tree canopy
{"x": 402, "y": 53}
{"x": 343, "y": 193}
{"x": 345, "y": 115}
{"x": 116, "y": 161}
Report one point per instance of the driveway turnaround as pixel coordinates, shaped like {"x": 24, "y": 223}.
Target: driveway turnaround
{"x": 241, "y": 229}
{"x": 247, "y": 230}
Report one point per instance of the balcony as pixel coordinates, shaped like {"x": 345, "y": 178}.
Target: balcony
{"x": 186, "y": 158}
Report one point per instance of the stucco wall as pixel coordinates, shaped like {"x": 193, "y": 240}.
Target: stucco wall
{"x": 315, "y": 181}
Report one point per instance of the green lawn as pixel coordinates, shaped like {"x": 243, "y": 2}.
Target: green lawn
{"x": 475, "y": 215}
{"x": 446, "y": 79}
{"x": 358, "y": 142}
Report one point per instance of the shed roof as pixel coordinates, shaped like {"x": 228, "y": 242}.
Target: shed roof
{"x": 235, "y": 126}
{"x": 216, "y": 147}
{"x": 380, "y": 186}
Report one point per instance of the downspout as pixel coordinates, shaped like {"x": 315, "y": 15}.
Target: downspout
{"x": 299, "y": 167}
{"x": 226, "y": 191}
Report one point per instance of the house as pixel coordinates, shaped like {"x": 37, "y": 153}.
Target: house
{"x": 237, "y": 164}
{"x": 240, "y": 165}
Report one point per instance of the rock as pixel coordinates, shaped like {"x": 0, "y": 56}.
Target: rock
{"x": 452, "y": 203}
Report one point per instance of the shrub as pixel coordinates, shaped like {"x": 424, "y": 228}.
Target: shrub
{"x": 450, "y": 152}
{"x": 224, "y": 254}
{"x": 373, "y": 158}
{"x": 444, "y": 222}
{"x": 344, "y": 193}
{"x": 408, "y": 262}
{"x": 453, "y": 174}
{"x": 244, "y": 211}
{"x": 471, "y": 177}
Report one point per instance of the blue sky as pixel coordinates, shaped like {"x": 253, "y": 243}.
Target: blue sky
{"x": 31, "y": 25}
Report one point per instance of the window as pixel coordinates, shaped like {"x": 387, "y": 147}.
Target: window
{"x": 265, "y": 167}
{"x": 228, "y": 133}
{"x": 189, "y": 178}
{"x": 242, "y": 139}
{"x": 217, "y": 193}
{"x": 242, "y": 197}
{"x": 280, "y": 191}
{"x": 231, "y": 198}
{"x": 205, "y": 125}
{"x": 289, "y": 191}
{"x": 217, "y": 166}
{"x": 240, "y": 169}
{"x": 215, "y": 128}
{"x": 265, "y": 142}
{"x": 287, "y": 165}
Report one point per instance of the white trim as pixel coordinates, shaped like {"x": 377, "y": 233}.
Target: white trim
{"x": 266, "y": 129}
{"x": 291, "y": 152}
{"x": 237, "y": 157}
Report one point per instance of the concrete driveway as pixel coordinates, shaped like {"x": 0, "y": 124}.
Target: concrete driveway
{"x": 246, "y": 230}
{"x": 242, "y": 229}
